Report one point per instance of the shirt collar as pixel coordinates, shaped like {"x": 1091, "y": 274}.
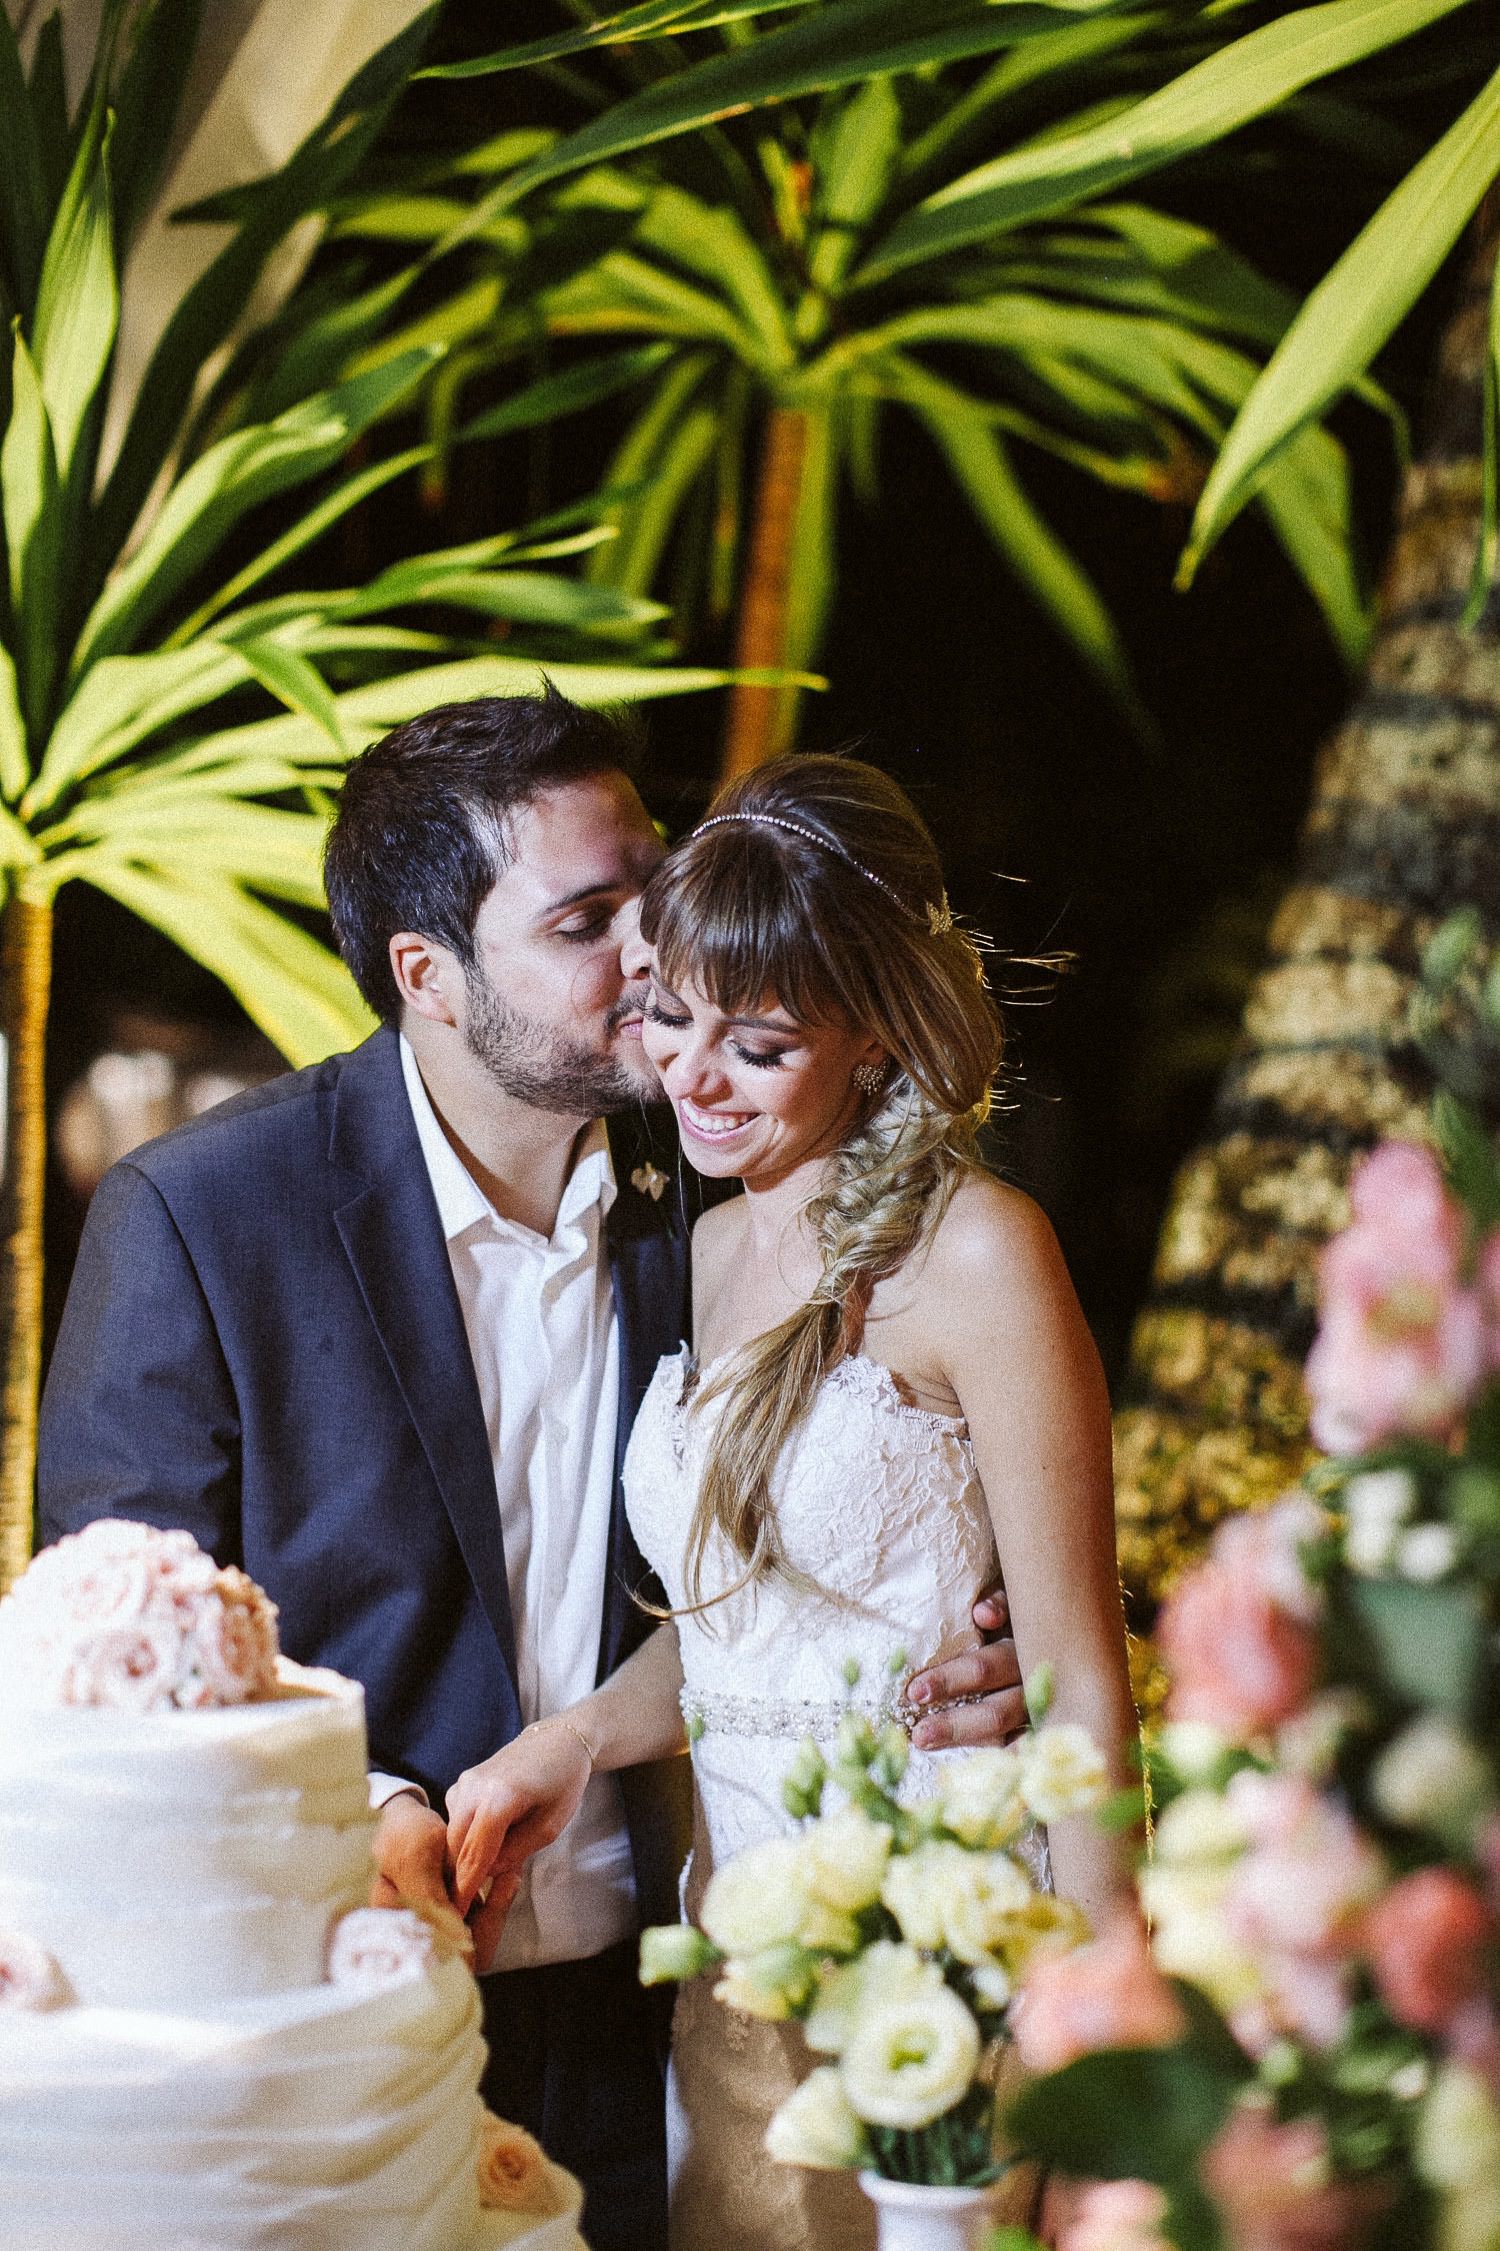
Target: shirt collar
{"x": 460, "y": 1199}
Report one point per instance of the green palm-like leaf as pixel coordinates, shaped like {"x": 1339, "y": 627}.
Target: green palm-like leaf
{"x": 1354, "y": 309}
{"x": 1212, "y": 100}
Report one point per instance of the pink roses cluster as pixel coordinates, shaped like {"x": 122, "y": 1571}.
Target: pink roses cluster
{"x": 1410, "y": 1324}
{"x": 1240, "y": 1635}
{"x": 140, "y": 1620}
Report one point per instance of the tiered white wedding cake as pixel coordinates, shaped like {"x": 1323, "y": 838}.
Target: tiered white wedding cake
{"x": 207, "y": 2041}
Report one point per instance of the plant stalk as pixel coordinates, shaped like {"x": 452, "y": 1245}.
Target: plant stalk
{"x": 761, "y": 719}
{"x": 25, "y": 990}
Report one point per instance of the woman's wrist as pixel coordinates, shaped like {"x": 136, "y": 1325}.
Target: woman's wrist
{"x": 559, "y": 1719}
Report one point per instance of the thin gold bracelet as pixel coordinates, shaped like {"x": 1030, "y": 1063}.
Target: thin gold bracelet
{"x": 556, "y": 1719}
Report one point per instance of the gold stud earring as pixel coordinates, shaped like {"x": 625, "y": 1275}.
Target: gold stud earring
{"x": 869, "y": 1077}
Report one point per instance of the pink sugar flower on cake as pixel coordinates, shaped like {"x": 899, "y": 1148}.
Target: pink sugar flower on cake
{"x": 513, "y": 2172}
{"x": 378, "y": 1946}
{"x": 29, "y": 1978}
{"x": 1402, "y": 1340}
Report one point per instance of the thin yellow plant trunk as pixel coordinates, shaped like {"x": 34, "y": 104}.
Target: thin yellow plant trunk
{"x": 25, "y": 989}
{"x": 760, "y": 719}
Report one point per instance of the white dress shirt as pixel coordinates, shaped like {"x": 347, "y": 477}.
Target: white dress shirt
{"x": 540, "y": 1318}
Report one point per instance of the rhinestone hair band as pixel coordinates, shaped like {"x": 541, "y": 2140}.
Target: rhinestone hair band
{"x": 937, "y": 919}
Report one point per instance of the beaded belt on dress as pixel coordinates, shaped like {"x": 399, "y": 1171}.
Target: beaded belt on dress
{"x": 790, "y": 1718}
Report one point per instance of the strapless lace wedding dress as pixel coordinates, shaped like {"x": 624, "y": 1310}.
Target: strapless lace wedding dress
{"x": 879, "y": 1505}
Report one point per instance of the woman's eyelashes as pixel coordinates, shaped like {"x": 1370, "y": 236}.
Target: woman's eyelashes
{"x": 770, "y": 1060}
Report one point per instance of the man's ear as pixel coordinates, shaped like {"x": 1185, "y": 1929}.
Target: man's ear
{"x": 427, "y": 976}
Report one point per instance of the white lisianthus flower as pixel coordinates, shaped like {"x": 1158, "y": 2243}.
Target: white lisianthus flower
{"x": 991, "y": 1985}
{"x": 910, "y": 2061}
{"x": 758, "y": 1899}
{"x": 980, "y": 1796}
{"x": 886, "y": 1973}
{"x": 844, "y": 1857}
{"x": 671, "y": 1952}
{"x": 1458, "y": 2153}
{"x": 771, "y": 1984}
{"x": 1431, "y": 1776}
{"x": 815, "y": 2125}
{"x": 1376, "y": 1505}
{"x": 1062, "y": 1771}
{"x": 972, "y": 1903}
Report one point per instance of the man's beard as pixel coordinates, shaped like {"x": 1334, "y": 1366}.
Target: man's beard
{"x": 539, "y": 1065}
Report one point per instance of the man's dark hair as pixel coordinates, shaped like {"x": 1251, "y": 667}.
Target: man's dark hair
{"x": 421, "y": 830}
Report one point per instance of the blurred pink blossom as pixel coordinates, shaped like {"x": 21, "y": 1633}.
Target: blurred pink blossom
{"x": 1237, "y": 1633}
{"x": 1272, "y": 2186}
{"x": 1489, "y": 1293}
{"x": 1108, "y": 1994}
{"x": 1401, "y": 1340}
{"x": 1428, "y": 1941}
{"x": 1296, "y": 1898}
{"x": 1116, "y": 2216}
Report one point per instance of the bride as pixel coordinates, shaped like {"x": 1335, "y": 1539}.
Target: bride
{"x": 894, "y": 1400}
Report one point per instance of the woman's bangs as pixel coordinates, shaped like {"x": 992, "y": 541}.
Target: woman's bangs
{"x": 741, "y": 933}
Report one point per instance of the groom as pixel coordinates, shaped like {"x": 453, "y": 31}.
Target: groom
{"x": 379, "y": 1330}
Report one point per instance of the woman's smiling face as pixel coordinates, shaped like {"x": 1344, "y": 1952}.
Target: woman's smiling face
{"x": 756, "y": 1093}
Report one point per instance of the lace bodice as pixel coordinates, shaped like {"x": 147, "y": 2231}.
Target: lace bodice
{"x": 879, "y": 1503}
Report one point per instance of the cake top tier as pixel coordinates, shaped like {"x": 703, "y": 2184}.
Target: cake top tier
{"x": 138, "y": 1620}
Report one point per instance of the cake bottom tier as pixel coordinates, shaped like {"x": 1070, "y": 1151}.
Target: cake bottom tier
{"x": 328, "y": 2120}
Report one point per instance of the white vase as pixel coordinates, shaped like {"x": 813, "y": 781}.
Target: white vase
{"x": 911, "y": 2217}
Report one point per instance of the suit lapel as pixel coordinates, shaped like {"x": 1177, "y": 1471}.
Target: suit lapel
{"x": 391, "y": 1234}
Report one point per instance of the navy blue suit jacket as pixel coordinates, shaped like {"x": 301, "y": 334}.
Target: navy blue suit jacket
{"x": 262, "y": 1342}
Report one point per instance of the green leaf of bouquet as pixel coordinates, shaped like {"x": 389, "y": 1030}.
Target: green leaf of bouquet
{"x": 1126, "y": 2113}
{"x": 1354, "y": 309}
{"x": 1471, "y": 1157}
{"x": 1424, "y": 1645}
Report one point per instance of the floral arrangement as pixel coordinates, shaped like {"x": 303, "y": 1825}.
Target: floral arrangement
{"x": 141, "y": 1620}
{"x": 896, "y": 1934}
{"x": 1308, "y": 2057}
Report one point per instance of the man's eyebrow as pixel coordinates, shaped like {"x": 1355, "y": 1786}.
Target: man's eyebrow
{"x": 617, "y": 882}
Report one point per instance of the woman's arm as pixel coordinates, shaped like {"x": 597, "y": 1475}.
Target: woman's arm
{"x": 510, "y": 1806}
{"x": 1018, "y": 1353}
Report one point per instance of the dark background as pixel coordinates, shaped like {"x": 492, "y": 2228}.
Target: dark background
{"x": 1155, "y": 870}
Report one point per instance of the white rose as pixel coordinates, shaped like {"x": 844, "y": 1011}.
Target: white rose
{"x": 1062, "y": 1771}
{"x": 910, "y": 2061}
{"x": 758, "y": 1899}
{"x": 1427, "y": 1553}
{"x": 885, "y": 1973}
{"x": 815, "y": 2125}
{"x": 844, "y": 1857}
{"x": 980, "y": 1796}
{"x": 1432, "y": 1775}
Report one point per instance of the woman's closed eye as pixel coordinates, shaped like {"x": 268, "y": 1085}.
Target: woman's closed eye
{"x": 656, "y": 1014}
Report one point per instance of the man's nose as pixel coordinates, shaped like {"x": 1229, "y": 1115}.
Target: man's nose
{"x": 635, "y": 954}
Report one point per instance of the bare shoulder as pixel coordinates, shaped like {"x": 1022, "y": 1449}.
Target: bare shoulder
{"x": 992, "y": 1232}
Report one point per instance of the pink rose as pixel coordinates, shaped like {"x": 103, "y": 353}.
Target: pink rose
{"x": 1272, "y": 2186}
{"x": 1489, "y": 1295}
{"x": 234, "y": 1641}
{"x": 29, "y": 1978}
{"x": 1108, "y": 1994}
{"x": 1401, "y": 1342}
{"x": 1429, "y": 1941}
{"x": 1116, "y": 2216}
{"x": 130, "y": 1668}
{"x": 1295, "y": 1900}
{"x": 1237, "y": 1633}
{"x": 378, "y": 1946}
{"x": 514, "y": 2175}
